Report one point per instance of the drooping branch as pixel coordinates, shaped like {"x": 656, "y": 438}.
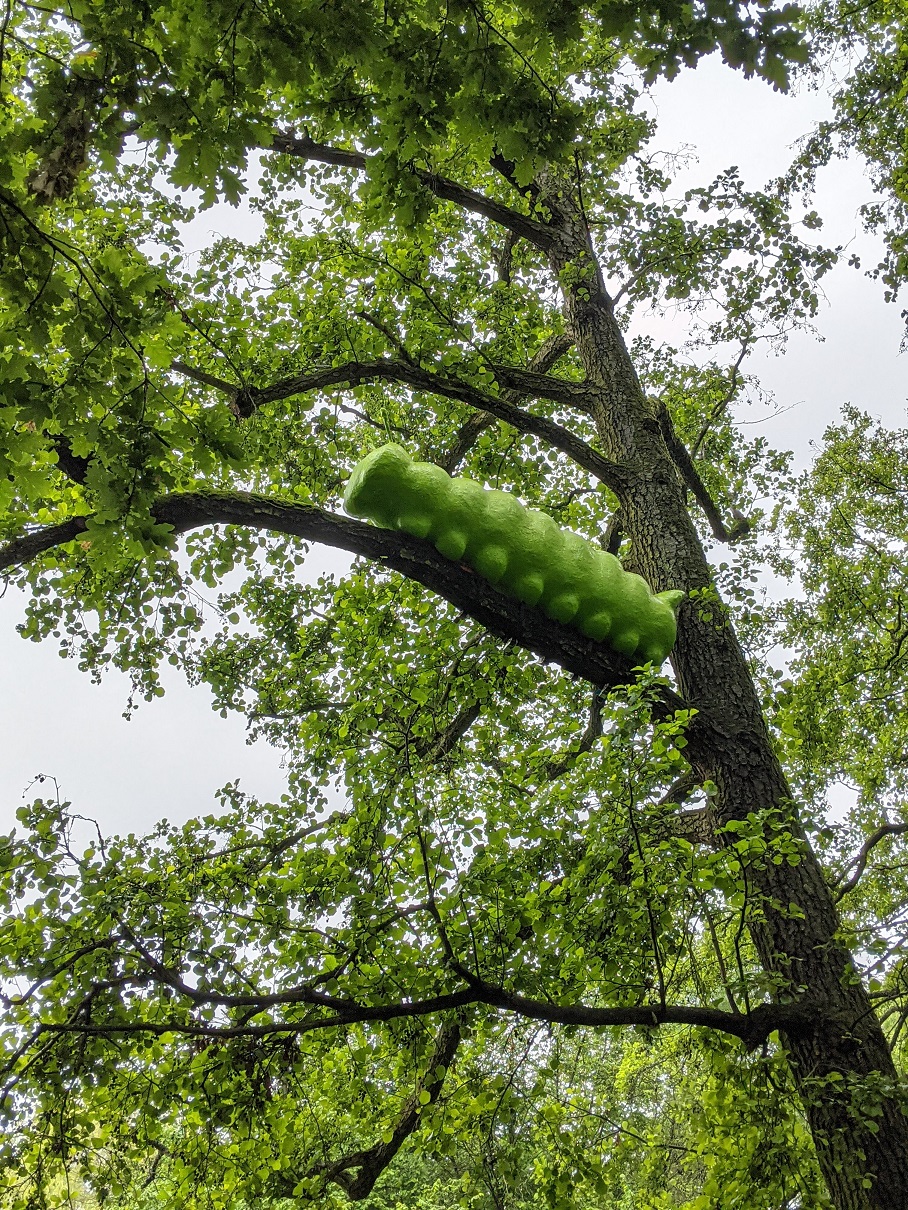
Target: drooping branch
{"x": 418, "y": 560}
{"x": 860, "y": 862}
{"x": 247, "y": 399}
{"x": 302, "y": 147}
{"x": 691, "y": 478}
{"x": 412, "y": 557}
{"x": 371, "y": 1163}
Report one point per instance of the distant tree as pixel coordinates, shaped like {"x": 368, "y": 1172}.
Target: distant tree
{"x": 532, "y": 926}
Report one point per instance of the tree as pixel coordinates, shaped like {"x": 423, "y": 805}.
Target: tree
{"x": 489, "y": 822}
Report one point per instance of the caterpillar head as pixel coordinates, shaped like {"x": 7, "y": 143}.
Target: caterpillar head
{"x": 373, "y": 488}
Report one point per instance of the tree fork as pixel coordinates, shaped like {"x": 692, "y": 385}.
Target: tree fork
{"x": 801, "y": 950}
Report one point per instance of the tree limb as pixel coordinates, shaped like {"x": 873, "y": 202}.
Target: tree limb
{"x": 549, "y": 352}
{"x": 39, "y": 541}
{"x": 371, "y": 1163}
{"x": 543, "y": 386}
{"x": 247, "y": 399}
{"x": 860, "y": 862}
{"x": 72, "y": 465}
{"x": 681, "y": 789}
{"x": 302, "y": 147}
{"x": 753, "y": 1027}
{"x": 418, "y": 560}
{"x": 691, "y": 477}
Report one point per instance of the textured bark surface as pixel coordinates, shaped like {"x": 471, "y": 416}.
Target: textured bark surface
{"x": 865, "y": 1165}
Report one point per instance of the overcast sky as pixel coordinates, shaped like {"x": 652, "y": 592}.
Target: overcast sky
{"x": 170, "y": 759}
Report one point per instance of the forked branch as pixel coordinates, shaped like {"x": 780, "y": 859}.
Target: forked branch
{"x": 860, "y": 862}
{"x": 245, "y": 400}
{"x": 302, "y": 147}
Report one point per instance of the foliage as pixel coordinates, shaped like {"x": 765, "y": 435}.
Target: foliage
{"x": 870, "y": 107}
{"x": 499, "y": 944}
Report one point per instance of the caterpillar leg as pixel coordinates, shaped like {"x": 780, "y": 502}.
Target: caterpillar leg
{"x": 417, "y": 524}
{"x": 653, "y": 652}
{"x": 491, "y": 562}
{"x": 452, "y": 543}
{"x": 528, "y": 588}
{"x": 563, "y": 607}
{"x": 597, "y": 626}
{"x": 625, "y": 642}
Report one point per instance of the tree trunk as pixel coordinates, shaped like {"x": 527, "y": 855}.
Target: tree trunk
{"x": 843, "y": 1067}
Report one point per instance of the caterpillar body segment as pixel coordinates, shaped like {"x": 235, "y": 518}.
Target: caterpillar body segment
{"x": 519, "y": 550}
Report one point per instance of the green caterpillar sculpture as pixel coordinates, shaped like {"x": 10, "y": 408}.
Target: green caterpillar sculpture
{"x": 519, "y": 550}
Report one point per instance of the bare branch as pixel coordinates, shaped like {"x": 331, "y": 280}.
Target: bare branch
{"x": 860, "y": 862}
{"x": 538, "y": 234}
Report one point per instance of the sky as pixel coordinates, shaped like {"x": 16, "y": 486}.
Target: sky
{"x": 169, "y": 760}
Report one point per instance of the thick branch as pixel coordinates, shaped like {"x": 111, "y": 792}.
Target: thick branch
{"x": 72, "y": 465}
{"x": 753, "y": 1027}
{"x": 860, "y": 862}
{"x": 691, "y": 478}
{"x": 412, "y": 557}
{"x": 681, "y": 789}
{"x": 39, "y": 541}
{"x": 438, "y": 747}
{"x": 549, "y": 352}
{"x": 543, "y": 386}
{"x": 695, "y": 826}
{"x": 529, "y": 229}
{"x": 387, "y": 369}
{"x": 210, "y": 380}
{"x": 372, "y": 1162}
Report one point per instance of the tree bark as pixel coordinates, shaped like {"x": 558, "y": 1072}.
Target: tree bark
{"x": 843, "y": 1067}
